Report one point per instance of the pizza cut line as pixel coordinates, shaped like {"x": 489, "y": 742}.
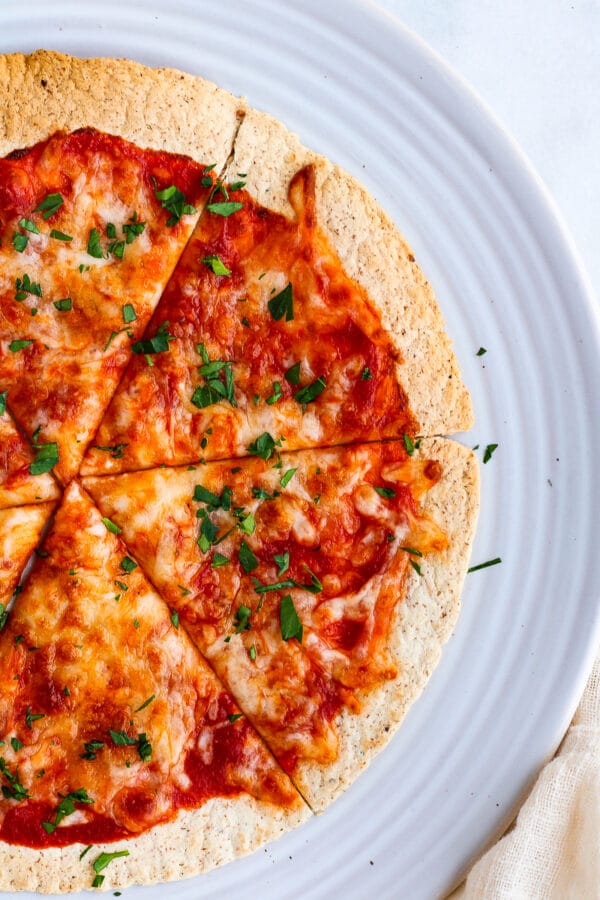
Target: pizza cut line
{"x": 221, "y": 377}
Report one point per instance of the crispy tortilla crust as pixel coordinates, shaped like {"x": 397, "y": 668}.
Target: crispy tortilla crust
{"x": 422, "y": 624}
{"x": 159, "y": 108}
{"x": 374, "y": 253}
{"x": 197, "y": 841}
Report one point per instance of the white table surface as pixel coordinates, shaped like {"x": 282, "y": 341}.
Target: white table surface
{"x": 536, "y": 63}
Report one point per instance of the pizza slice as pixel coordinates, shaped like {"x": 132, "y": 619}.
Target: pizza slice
{"x": 297, "y": 311}
{"x": 115, "y": 732}
{"x": 20, "y": 532}
{"x": 91, "y": 228}
{"x": 318, "y": 584}
{"x": 24, "y": 475}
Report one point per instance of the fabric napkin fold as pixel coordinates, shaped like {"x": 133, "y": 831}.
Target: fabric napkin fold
{"x": 552, "y": 851}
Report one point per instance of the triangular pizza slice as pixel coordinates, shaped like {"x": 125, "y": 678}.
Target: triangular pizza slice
{"x": 115, "y": 732}
{"x": 272, "y": 337}
{"x": 20, "y": 532}
{"x": 24, "y": 476}
{"x": 292, "y": 571}
{"x": 91, "y": 227}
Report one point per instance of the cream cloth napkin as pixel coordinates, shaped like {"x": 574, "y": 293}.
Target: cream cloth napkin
{"x": 552, "y": 851}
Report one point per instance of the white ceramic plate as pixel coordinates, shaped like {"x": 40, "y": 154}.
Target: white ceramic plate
{"x": 369, "y": 95}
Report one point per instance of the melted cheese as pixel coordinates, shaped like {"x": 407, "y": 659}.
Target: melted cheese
{"x": 335, "y": 333}
{"x": 350, "y": 539}
{"x": 17, "y": 485}
{"x": 104, "y": 644}
{"x": 64, "y": 380}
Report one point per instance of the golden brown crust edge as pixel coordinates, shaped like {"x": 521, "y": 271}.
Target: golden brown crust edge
{"x": 375, "y": 254}
{"x": 423, "y": 623}
{"x": 220, "y": 831}
{"x": 159, "y": 108}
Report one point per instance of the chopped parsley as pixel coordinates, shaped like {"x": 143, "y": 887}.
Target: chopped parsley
{"x": 287, "y": 477}
{"x": 247, "y": 559}
{"x": 282, "y": 304}
{"x": 19, "y": 241}
{"x": 46, "y": 456}
{"x": 311, "y": 391}
{"x": 233, "y": 717}
{"x": 110, "y": 525}
{"x": 385, "y": 492}
{"x": 90, "y": 749}
{"x": 3, "y": 396}
{"x": 66, "y": 807}
{"x": 175, "y": 619}
{"x": 64, "y": 305}
{"x": 263, "y": 446}
{"x": 16, "y": 744}
{"x": 488, "y": 452}
{"x": 93, "y": 246}
{"x": 412, "y": 550}
{"x": 60, "y": 235}
{"x": 485, "y": 565}
{"x": 224, "y": 209}
{"x": 276, "y": 395}
{"x": 291, "y": 626}
{"x": 30, "y": 717}
{"x": 49, "y": 205}
{"x": 481, "y": 351}
{"x": 219, "y": 383}
{"x": 409, "y": 444}
{"x": 3, "y": 616}
{"x": 415, "y": 566}
{"x": 128, "y": 564}
{"x": 25, "y": 286}
{"x": 157, "y": 344}
{"x": 129, "y": 314}
{"x": 282, "y": 561}
{"x": 133, "y": 228}
{"x": 216, "y": 265}
{"x": 366, "y": 374}
{"x": 219, "y": 560}
{"x": 292, "y": 376}
{"x": 14, "y": 790}
{"x": 101, "y": 862}
{"x": 15, "y": 346}
{"x": 145, "y": 703}
{"x": 252, "y": 652}
{"x": 242, "y": 619}
{"x": 173, "y": 200}
{"x": 116, "y": 450}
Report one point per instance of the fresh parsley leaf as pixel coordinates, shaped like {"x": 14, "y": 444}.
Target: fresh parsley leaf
{"x": 366, "y": 374}
{"x": 26, "y": 286}
{"x": 49, "y": 205}
{"x": 485, "y": 565}
{"x": 104, "y": 859}
{"x": 175, "y": 618}
{"x": 46, "y": 456}
{"x": 481, "y": 351}
{"x": 282, "y": 561}
{"x": 385, "y": 492}
{"x": 90, "y": 749}
{"x": 66, "y": 807}
{"x": 263, "y": 446}
{"x": 287, "y": 477}
{"x": 292, "y": 376}
{"x": 291, "y": 626}
{"x": 122, "y": 739}
{"x": 129, "y": 314}
{"x": 415, "y": 566}
{"x": 15, "y": 346}
{"x": 128, "y": 564}
{"x": 173, "y": 200}
{"x": 219, "y": 560}
{"x": 233, "y": 717}
{"x": 30, "y": 717}
{"x": 252, "y": 652}
{"x": 412, "y": 550}
{"x": 93, "y": 247}
{"x": 282, "y": 304}
{"x": 224, "y": 209}
{"x": 157, "y": 344}
{"x": 247, "y": 559}
{"x": 247, "y": 523}
{"x": 242, "y": 619}
{"x": 16, "y": 744}
{"x": 116, "y": 450}
{"x": 60, "y": 235}
{"x": 145, "y": 703}
{"x": 311, "y": 391}
{"x": 110, "y": 525}
{"x": 3, "y": 396}
{"x": 488, "y": 452}
{"x": 14, "y": 790}
{"x": 19, "y": 241}
{"x": 64, "y": 305}
{"x": 216, "y": 265}
{"x": 144, "y": 748}
{"x": 409, "y": 444}
{"x": 133, "y": 228}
